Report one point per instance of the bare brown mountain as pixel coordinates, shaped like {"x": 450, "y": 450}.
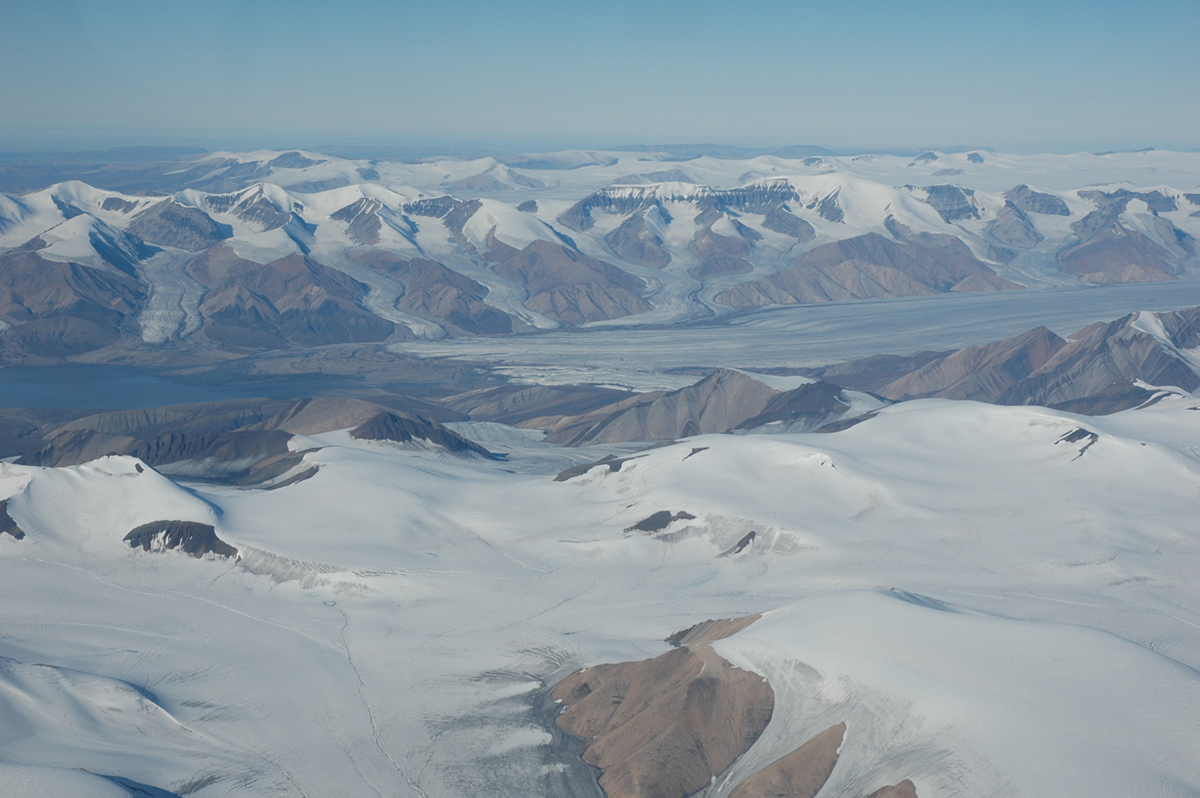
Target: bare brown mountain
{"x": 1107, "y": 251}
{"x": 430, "y": 289}
{"x": 800, "y": 774}
{"x": 634, "y": 240}
{"x": 905, "y": 789}
{"x": 514, "y": 404}
{"x": 172, "y": 224}
{"x": 293, "y": 300}
{"x": 58, "y": 309}
{"x": 566, "y": 285}
{"x": 1014, "y": 228}
{"x": 362, "y": 220}
{"x": 983, "y": 373}
{"x": 871, "y": 266}
{"x": 723, "y": 401}
{"x": 664, "y": 727}
{"x": 719, "y": 253}
{"x": 244, "y": 441}
{"x": 1094, "y": 370}
{"x": 1103, "y": 354}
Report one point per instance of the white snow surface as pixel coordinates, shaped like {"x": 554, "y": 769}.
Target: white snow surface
{"x": 991, "y": 611}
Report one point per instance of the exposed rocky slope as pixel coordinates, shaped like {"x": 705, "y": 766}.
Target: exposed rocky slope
{"x": 399, "y": 427}
{"x": 1109, "y": 250}
{"x": 291, "y": 300}
{"x": 248, "y": 441}
{"x": 724, "y": 401}
{"x": 62, "y": 308}
{"x": 430, "y": 289}
{"x": 1099, "y": 369}
{"x": 568, "y": 286}
{"x": 665, "y": 727}
{"x": 800, "y": 774}
{"x": 869, "y": 267}
{"x": 7, "y": 525}
{"x": 485, "y": 247}
{"x": 190, "y": 537}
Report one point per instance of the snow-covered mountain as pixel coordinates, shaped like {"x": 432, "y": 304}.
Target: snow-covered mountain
{"x": 450, "y": 247}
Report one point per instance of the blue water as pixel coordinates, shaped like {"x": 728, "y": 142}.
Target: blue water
{"x": 76, "y": 387}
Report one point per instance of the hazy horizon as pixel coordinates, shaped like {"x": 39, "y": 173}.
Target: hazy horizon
{"x": 1037, "y": 78}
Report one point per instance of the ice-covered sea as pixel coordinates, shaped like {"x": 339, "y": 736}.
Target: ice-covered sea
{"x": 645, "y": 358}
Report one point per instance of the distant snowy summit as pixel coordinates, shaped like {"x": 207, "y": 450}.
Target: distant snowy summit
{"x": 276, "y": 250}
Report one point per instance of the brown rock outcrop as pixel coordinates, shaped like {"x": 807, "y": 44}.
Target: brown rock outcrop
{"x": 291, "y": 300}
{"x": 362, "y": 220}
{"x": 399, "y": 427}
{"x": 634, "y": 240}
{"x": 982, "y": 373}
{"x": 60, "y": 309}
{"x": 724, "y": 400}
{"x": 871, "y": 266}
{"x": 664, "y": 727}
{"x": 905, "y": 789}
{"x": 568, "y": 286}
{"x": 430, "y": 289}
{"x": 171, "y": 224}
{"x": 800, "y": 774}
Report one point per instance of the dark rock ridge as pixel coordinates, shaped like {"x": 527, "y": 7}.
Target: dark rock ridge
{"x": 829, "y": 209}
{"x": 244, "y": 441}
{"x": 362, "y": 220}
{"x": 294, "y": 300}
{"x": 952, "y": 202}
{"x": 430, "y": 289}
{"x": 719, "y": 253}
{"x": 566, "y": 285}
{"x": 190, "y": 537}
{"x": 610, "y": 463}
{"x": 7, "y": 525}
{"x": 664, "y": 727}
{"x": 399, "y": 427}
{"x": 871, "y": 267}
{"x": 1026, "y": 200}
{"x": 761, "y": 197}
{"x": 1107, "y": 251}
{"x": 1014, "y": 228}
{"x": 636, "y": 241}
{"x": 59, "y": 309}
{"x": 983, "y": 373}
{"x": 656, "y": 522}
{"x": 171, "y": 224}
{"x": 1092, "y": 371}
{"x": 723, "y": 401}
{"x": 251, "y": 206}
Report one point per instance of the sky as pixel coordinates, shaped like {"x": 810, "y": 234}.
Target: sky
{"x": 1022, "y": 76}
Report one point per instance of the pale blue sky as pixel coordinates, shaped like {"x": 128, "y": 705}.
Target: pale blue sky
{"x": 1019, "y": 75}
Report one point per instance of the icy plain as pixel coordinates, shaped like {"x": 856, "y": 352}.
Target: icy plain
{"x": 991, "y": 611}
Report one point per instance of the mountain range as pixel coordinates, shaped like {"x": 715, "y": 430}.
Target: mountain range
{"x": 252, "y": 252}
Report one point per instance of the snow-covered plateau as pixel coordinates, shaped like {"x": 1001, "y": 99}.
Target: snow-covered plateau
{"x": 612, "y": 474}
{"x": 996, "y": 601}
